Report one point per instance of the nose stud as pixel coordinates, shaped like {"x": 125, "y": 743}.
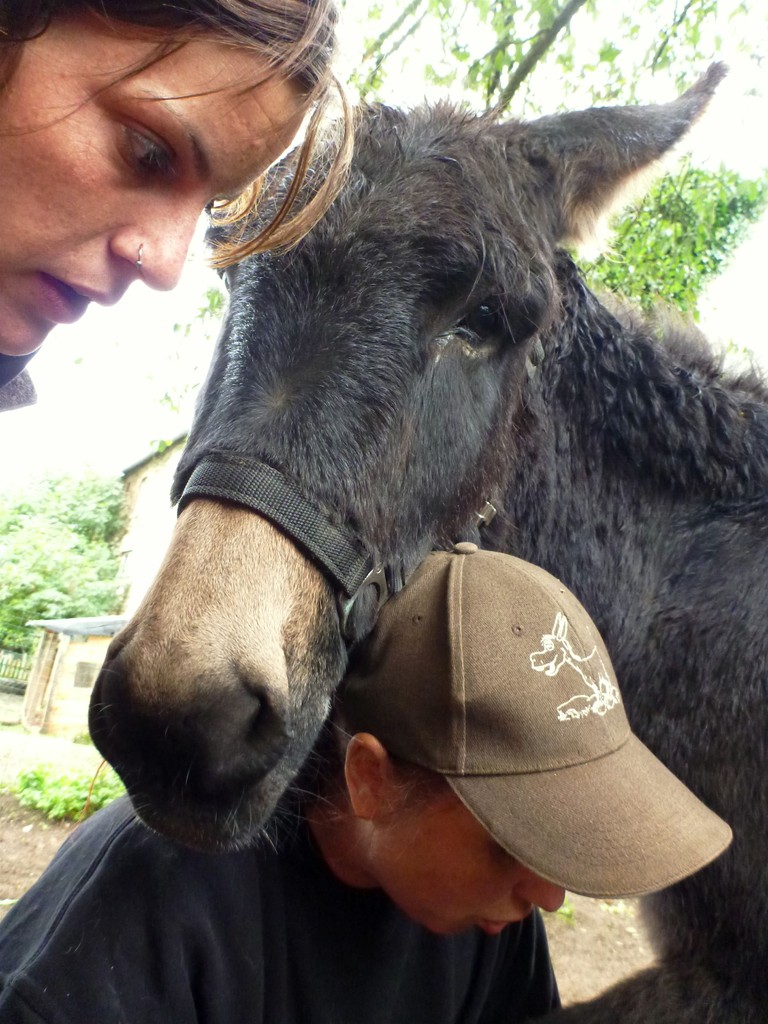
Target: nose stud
{"x": 138, "y": 257}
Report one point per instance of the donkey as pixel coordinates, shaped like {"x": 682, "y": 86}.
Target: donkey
{"x": 430, "y": 346}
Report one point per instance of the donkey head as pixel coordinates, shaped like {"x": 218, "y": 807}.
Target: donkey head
{"x": 379, "y": 366}
{"x": 555, "y": 648}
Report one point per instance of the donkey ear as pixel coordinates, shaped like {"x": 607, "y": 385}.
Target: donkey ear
{"x": 590, "y": 158}
{"x": 561, "y": 627}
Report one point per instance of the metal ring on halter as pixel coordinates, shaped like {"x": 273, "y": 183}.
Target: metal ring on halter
{"x": 138, "y": 257}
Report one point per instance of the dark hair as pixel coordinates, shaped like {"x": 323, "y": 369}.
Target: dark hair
{"x": 295, "y": 38}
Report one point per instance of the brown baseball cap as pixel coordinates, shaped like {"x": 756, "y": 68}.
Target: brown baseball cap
{"x": 487, "y": 670}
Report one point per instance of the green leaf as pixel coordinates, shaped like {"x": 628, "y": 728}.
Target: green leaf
{"x": 681, "y": 235}
{"x": 67, "y": 794}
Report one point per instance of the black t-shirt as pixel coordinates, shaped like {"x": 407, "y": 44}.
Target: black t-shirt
{"x": 127, "y": 927}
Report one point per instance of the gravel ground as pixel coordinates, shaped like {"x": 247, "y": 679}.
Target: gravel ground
{"x": 10, "y": 708}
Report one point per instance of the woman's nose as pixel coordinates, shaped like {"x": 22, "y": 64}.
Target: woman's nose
{"x": 158, "y": 253}
{"x": 539, "y": 891}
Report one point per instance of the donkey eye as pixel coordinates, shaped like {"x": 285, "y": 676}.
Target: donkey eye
{"x": 482, "y": 326}
{"x": 484, "y": 320}
{"x": 478, "y": 333}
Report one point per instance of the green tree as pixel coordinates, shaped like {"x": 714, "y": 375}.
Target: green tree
{"x": 679, "y": 237}
{"x": 57, "y": 553}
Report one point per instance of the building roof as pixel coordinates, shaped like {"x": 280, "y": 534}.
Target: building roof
{"x": 98, "y": 625}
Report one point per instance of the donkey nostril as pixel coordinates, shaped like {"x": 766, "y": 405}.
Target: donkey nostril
{"x": 239, "y": 737}
{"x": 269, "y": 699}
{"x": 223, "y": 738}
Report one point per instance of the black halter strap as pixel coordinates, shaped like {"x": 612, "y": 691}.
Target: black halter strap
{"x": 264, "y": 489}
{"x": 338, "y": 551}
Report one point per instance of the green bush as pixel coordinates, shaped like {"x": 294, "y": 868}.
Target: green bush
{"x": 65, "y": 794}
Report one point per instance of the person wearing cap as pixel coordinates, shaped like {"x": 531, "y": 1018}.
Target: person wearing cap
{"x": 490, "y": 674}
{"x": 483, "y": 764}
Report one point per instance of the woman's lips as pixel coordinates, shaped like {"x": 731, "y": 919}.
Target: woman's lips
{"x": 493, "y": 927}
{"x": 59, "y": 303}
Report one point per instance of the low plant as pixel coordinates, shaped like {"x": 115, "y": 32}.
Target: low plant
{"x": 72, "y": 794}
{"x": 83, "y": 738}
{"x": 566, "y": 912}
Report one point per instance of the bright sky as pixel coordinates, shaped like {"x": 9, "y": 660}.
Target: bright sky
{"x": 100, "y": 381}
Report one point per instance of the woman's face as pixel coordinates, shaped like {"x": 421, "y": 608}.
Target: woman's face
{"x": 444, "y": 870}
{"x": 90, "y": 170}
{"x": 430, "y": 855}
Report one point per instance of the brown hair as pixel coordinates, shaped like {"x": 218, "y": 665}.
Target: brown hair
{"x": 417, "y": 787}
{"x": 295, "y": 38}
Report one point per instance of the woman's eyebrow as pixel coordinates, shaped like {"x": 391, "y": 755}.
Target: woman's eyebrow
{"x": 200, "y": 157}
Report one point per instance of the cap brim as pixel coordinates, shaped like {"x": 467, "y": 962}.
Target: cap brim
{"x": 621, "y": 825}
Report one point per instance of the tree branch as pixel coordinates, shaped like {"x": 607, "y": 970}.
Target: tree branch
{"x": 378, "y": 44}
{"x": 672, "y": 29}
{"x": 369, "y": 81}
{"x": 543, "y": 42}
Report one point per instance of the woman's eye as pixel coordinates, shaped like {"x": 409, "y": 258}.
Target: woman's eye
{"x": 148, "y": 156}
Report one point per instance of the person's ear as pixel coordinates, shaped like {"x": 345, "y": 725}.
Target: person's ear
{"x": 369, "y": 774}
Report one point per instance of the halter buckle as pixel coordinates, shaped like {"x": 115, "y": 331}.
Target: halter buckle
{"x": 378, "y": 578}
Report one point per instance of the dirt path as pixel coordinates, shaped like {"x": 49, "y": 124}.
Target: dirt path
{"x": 596, "y": 944}
{"x": 27, "y": 843}
{"x": 602, "y": 942}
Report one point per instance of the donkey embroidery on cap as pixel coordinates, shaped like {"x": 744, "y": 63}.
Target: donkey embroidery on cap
{"x": 557, "y": 652}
